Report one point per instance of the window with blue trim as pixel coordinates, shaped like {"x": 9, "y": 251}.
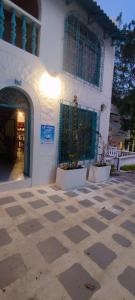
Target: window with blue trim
{"x": 82, "y": 51}
{"x": 78, "y": 133}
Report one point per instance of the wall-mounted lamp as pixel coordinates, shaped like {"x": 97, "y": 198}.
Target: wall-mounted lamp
{"x": 75, "y": 101}
{"x": 103, "y": 107}
{"x": 50, "y": 86}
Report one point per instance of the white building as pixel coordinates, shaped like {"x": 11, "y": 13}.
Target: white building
{"x": 50, "y": 52}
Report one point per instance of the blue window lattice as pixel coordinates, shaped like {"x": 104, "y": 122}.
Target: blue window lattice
{"x": 86, "y": 133}
{"x": 82, "y": 51}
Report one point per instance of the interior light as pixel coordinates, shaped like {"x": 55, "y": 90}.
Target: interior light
{"x": 20, "y": 114}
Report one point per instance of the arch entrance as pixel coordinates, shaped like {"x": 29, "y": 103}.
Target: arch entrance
{"x": 15, "y": 133}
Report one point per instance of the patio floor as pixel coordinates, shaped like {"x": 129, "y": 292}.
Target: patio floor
{"x": 80, "y": 244}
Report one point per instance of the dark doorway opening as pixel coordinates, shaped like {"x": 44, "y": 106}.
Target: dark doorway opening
{"x": 14, "y": 135}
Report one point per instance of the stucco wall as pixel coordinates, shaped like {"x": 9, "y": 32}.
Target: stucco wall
{"x": 18, "y": 64}
{"x": 53, "y": 58}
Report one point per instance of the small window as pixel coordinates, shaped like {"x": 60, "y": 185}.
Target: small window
{"x": 30, "y": 6}
{"x": 82, "y": 51}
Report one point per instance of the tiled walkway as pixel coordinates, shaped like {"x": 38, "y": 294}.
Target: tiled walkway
{"x": 79, "y": 245}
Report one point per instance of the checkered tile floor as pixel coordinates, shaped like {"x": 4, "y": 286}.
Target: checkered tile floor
{"x": 77, "y": 245}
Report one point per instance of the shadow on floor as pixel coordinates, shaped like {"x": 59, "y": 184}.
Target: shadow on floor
{"x": 12, "y": 170}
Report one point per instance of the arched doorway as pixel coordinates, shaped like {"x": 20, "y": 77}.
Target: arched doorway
{"x": 15, "y": 127}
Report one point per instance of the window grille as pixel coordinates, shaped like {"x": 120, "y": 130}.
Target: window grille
{"x": 80, "y": 124}
{"x": 82, "y": 51}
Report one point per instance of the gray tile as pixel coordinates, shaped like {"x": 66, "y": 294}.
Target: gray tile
{"x": 56, "y": 198}
{"x": 110, "y": 195}
{"x": 107, "y": 214}
{"x": 121, "y": 240}
{"x": 11, "y": 268}
{"x": 133, "y": 216}
{"x": 38, "y": 204}
{"x": 7, "y": 200}
{"x": 15, "y": 211}
{"x": 119, "y": 208}
{"x": 84, "y": 190}
{"x": 71, "y": 209}
{"x": 126, "y": 201}
{"x": 129, "y": 226}
{"x": 123, "y": 188}
{"x": 95, "y": 224}
{"x": 79, "y": 284}
{"x": 51, "y": 249}
{"x": 109, "y": 183}
{"x": 71, "y": 194}
{"x": 102, "y": 185}
{"x": 118, "y": 192}
{"x": 86, "y": 203}
{"x": 93, "y": 187}
{"x": 55, "y": 188}
{"x": 114, "y": 181}
{"x": 127, "y": 279}
{"x": 129, "y": 185}
{"x": 26, "y": 195}
{"x": 54, "y": 216}
{"x": 99, "y": 199}
{"x": 34, "y": 298}
{"x": 101, "y": 255}
{"x": 131, "y": 196}
{"x": 30, "y": 226}
{"x": 42, "y": 192}
{"x": 76, "y": 234}
{"x": 5, "y": 238}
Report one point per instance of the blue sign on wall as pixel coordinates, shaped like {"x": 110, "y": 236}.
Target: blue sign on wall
{"x": 47, "y": 134}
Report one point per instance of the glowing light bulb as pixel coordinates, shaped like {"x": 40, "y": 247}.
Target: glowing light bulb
{"x": 50, "y": 86}
{"x": 20, "y": 114}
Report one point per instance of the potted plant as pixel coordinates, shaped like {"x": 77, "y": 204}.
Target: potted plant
{"x": 101, "y": 170}
{"x": 68, "y": 178}
{"x": 72, "y": 174}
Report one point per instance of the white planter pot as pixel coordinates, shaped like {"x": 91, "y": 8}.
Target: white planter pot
{"x": 99, "y": 174}
{"x": 68, "y": 179}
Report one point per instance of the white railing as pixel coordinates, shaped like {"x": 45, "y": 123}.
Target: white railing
{"x": 120, "y": 158}
{"x": 115, "y": 152}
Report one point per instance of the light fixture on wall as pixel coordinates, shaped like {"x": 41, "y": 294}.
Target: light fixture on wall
{"x": 103, "y": 107}
{"x": 75, "y": 101}
{"x": 50, "y": 86}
